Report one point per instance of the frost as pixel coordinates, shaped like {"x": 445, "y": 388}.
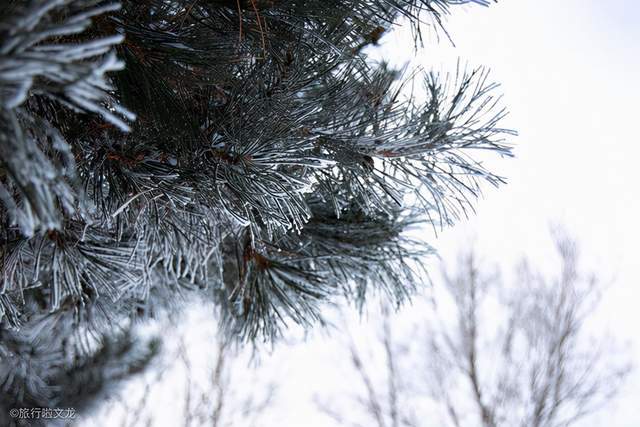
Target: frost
{"x": 72, "y": 73}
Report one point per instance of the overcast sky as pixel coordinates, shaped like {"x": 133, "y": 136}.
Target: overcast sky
{"x": 569, "y": 72}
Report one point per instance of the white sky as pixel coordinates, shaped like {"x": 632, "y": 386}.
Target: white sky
{"x": 569, "y": 72}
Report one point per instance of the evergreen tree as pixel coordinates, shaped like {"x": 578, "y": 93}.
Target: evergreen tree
{"x": 242, "y": 150}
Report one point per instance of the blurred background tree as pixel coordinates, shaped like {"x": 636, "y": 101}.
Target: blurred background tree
{"x": 489, "y": 353}
{"x": 200, "y": 378}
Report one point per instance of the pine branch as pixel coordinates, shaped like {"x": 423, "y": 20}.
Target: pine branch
{"x": 271, "y": 165}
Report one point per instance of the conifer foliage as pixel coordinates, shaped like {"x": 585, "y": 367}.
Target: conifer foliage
{"x": 245, "y": 150}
